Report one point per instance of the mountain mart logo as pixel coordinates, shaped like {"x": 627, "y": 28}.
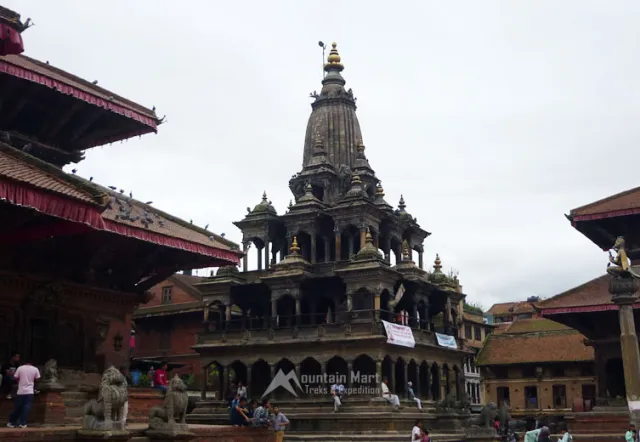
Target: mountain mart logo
{"x": 317, "y": 384}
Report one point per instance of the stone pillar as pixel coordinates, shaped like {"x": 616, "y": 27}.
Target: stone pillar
{"x": 327, "y": 249}
{"x": 601, "y": 372}
{"x": 376, "y": 240}
{"x": 227, "y": 316}
{"x": 259, "y": 258}
{"x": 249, "y": 380}
{"x": 273, "y": 370}
{"x": 622, "y": 290}
{"x": 298, "y": 312}
{"x": 378, "y": 373}
{"x": 338, "y": 238}
{"x": 203, "y": 388}
{"x": 414, "y": 321}
{"x": 245, "y": 258}
{"x": 376, "y": 305}
{"x": 266, "y": 254}
{"x": 416, "y": 387}
{"x": 387, "y": 248}
{"x": 392, "y": 381}
{"x": 349, "y": 374}
{"x": 421, "y": 260}
{"x": 298, "y": 373}
{"x": 274, "y": 311}
{"x": 406, "y": 376}
{"x": 224, "y": 375}
{"x": 352, "y": 241}
{"x": 314, "y": 249}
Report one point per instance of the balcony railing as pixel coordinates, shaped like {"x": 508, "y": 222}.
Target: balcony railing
{"x": 313, "y": 327}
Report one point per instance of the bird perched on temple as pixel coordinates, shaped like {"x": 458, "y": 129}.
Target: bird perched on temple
{"x": 94, "y": 82}
{"x": 153, "y": 108}
{"x": 248, "y": 209}
{"x": 148, "y": 203}
{"x": 222, "y": 234}
{"x": 206, "y": 227}
{"x": 130, "y": 194}
{"x": 121, "y": 190}
{"x": 90, "y": 178}
{"x": 190, "y": 221}
{"x": 27, "y": 148}
{"x": 112, "y": 187}
{"x": 73, "y": 171}
{"x": 5, "y": 137}
{"x": 212, "y": 238}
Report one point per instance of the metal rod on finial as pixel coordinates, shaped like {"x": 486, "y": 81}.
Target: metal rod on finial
{"x": 323, "y": 46}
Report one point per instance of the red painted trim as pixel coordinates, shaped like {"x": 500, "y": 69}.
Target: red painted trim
{"x": 78, "y": 212}
{"x": 583, "y": 309}
{"x": 604, "y": 215}
{"x": 25, "y": 74}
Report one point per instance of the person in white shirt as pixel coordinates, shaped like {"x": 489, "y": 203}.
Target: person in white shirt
{"x": 26, "y": 376}
{"x": 393, "y": 399}
{"x": 416, "y": 433}
{"x": 242, "y": 390}
{"x": 335, "y": 393}
{"x": 412, "y": 395}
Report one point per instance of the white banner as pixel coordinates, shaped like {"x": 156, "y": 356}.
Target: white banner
{"x": 399, "y": 334}
{"x": 446, "y": 341}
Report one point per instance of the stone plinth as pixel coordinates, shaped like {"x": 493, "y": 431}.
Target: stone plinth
{"x": 52, "y": 408}
{"x": 141, "y": 401}
{"x": 110, "y": 435}
{"x": 480, "y": 434}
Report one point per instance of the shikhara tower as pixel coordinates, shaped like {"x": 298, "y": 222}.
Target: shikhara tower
{"x": 322, "y": 286}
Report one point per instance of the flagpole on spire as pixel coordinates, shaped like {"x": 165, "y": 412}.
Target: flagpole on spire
{"x": 323, "y": 46}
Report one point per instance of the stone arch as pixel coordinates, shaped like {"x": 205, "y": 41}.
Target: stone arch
{"x": 260, "y": 377}
{"x": 216, "y": 312}
{"x": 401, "y": 382}
{"x": 287, "y": 367}
{"x": 304, "y": 242}
{"x": 215, "y": 380}
{"x": 364, "y": 368}
{"x": 337, "y": 369}
{"x": 424, "y": 380}
{"x": 311, "y": 373}
{"x": 286, "y": 311}
{"x": 239, "y": 372}
{"x": 388, "y": 370}
{"x": 413, "y": 376}
{"x": 349, "y": 241}
{"x": 436, "y": 392}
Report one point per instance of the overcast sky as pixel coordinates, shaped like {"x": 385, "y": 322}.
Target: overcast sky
{"x": 493, "y": 118}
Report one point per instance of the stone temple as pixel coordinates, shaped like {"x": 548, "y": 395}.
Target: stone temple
{"x": 325, "y": 280}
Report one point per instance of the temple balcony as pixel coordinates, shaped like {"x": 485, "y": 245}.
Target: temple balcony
{"x": 354, "y": 325}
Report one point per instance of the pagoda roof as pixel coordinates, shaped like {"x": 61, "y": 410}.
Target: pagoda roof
{"x": 476, "y": 319}
{"x": 527, "y": 341}
{"x": 620, "y": 204}
{"x": 29, "y": 182}
{"x": 169, "y": 309}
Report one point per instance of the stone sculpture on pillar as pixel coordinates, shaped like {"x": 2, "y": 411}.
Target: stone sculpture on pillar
{"x": 103, "y": 416}
{"x": 622, "y": 288}
{"x": 50, "y": 379}
{"x": 168, "y": 421}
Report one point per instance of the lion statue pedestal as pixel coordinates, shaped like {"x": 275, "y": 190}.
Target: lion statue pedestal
{"x": 50, "y": 379}
{"x": 168, "y": 422}
{"x": 103, "y": 416}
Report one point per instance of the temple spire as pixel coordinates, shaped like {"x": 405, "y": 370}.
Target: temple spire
{"x": 333, "y": 60}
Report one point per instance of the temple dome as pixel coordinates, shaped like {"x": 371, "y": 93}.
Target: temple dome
{"x": 333, "y": 123}
{"x": 264, "y": 206}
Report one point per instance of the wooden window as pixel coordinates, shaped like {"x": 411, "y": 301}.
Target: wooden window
{"x": 559, "y": 396}
{"x": 167, "y": 296}
{"x": 531, "y": 397}
{"x": 467, "y": 331}
{"x": 478, "y": 333}
{"x": 165, "y": 339}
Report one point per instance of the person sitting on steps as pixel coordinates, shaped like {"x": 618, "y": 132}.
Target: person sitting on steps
{"x": 393, "y": 399}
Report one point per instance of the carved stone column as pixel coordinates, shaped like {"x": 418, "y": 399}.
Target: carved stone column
{"x": 314, "y": 249}
{"x": 274, "y": 311}
{"x": 349, "y": 374}
{"x": 203, "y": 388}
{"x": 393, "y": 387}
{"x": 363, "y": 234}
{"x": 376, "y": 304}
{"x": 245, "y": 258}
{"x": 259, "y": 258}
{"x": 224, "y": 377}
{"x": 421, "y": 260}
{"x": 406, "y": 375}
{"x": 352, "y": 250}
{"x": 338, "y": 240}
{"x": 266, "y": 254}
{"x": 327, "y": 249}
{"x": 298, "y": 311}
{"x": 417, "y": 385}
{"x": 378, "y": 372}
{"x": 249, "y": 380}
{"x": 622, "y": 292}
{"x": 227, "y": 316}
{"x": 387, "y": 248}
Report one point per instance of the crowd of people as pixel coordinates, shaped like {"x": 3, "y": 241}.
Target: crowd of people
{"x": 243, "y": 412}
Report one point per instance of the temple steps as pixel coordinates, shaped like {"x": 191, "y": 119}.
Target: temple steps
{"x": 369, "y": 436}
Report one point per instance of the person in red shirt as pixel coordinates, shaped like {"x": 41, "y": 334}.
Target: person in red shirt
{"x": 160, "y": 378}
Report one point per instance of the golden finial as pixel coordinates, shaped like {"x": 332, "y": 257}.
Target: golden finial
{"x": 308, "y": 188}
{"x": 334, "y": 57}
{"x": 294, "y": 246}
{"x": 401, "y": 204}
{"x": 360, "y": 147}
{"x": 405, "y": 250}
{"x": 437, "y": 265}
{"x": 356, "y": 180}
{"x": 379, "y": 190}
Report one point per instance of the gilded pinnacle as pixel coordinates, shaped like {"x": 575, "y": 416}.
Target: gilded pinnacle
{"x": 437, "y": 265}
{"x": 405, "y": 250}
{"x": 264, "y": 196}
{"x": 294, "y": 246}
{"x": 368, "y": 239}
{"x": 379, "y": 190}
{"x": 356, "y": 179}
{"x": 333, "y": 60}
{"x": 401, "y": 204}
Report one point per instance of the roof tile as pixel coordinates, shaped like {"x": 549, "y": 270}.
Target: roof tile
{"x": 627, "y": 200}
{"x": 591, "y": 293}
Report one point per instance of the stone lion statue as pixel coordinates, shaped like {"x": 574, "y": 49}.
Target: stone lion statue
{"x": 105, "y": 413}
{"x": 171, "y": 416}
{"x": 50, "y": 372}
{"x": 487, "y": 416}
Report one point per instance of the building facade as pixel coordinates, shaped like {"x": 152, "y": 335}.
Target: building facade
{"x": 538, "y": 366}
{"x": 324, "y": 280}
{"x": 474, "y": 331}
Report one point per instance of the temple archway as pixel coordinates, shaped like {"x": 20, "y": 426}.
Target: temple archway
{"x": 424, "y": 380}
{"x": 287, "y": 367}
{"x": 311, "y": 374}
{"x": 286, "y": 308}
{"x": 446, "y": 374}
{"x": 388, "y": 371}
{"x": 435, "y": 382}
{"x": 215, "y": 379}
{"x": 401, "y": 382}
{"x": 215, "y": 316}
{"x": 364, "y": 369}
{"x": 338, "y": 371}
{"x": 260, "y": 378}
{"x": 413, "y": 376}
{"x": 615, "y": 378}
{"x": 239, "y": 372}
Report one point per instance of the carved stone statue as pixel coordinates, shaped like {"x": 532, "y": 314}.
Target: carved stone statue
{"x": 105, "y": 413}
{"x": 50, "y": 379}
{"x": 169, "y": 419}
{"x": 487, "y": 416}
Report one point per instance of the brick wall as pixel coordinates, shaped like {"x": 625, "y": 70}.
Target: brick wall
{"x": 178, "y": 293}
